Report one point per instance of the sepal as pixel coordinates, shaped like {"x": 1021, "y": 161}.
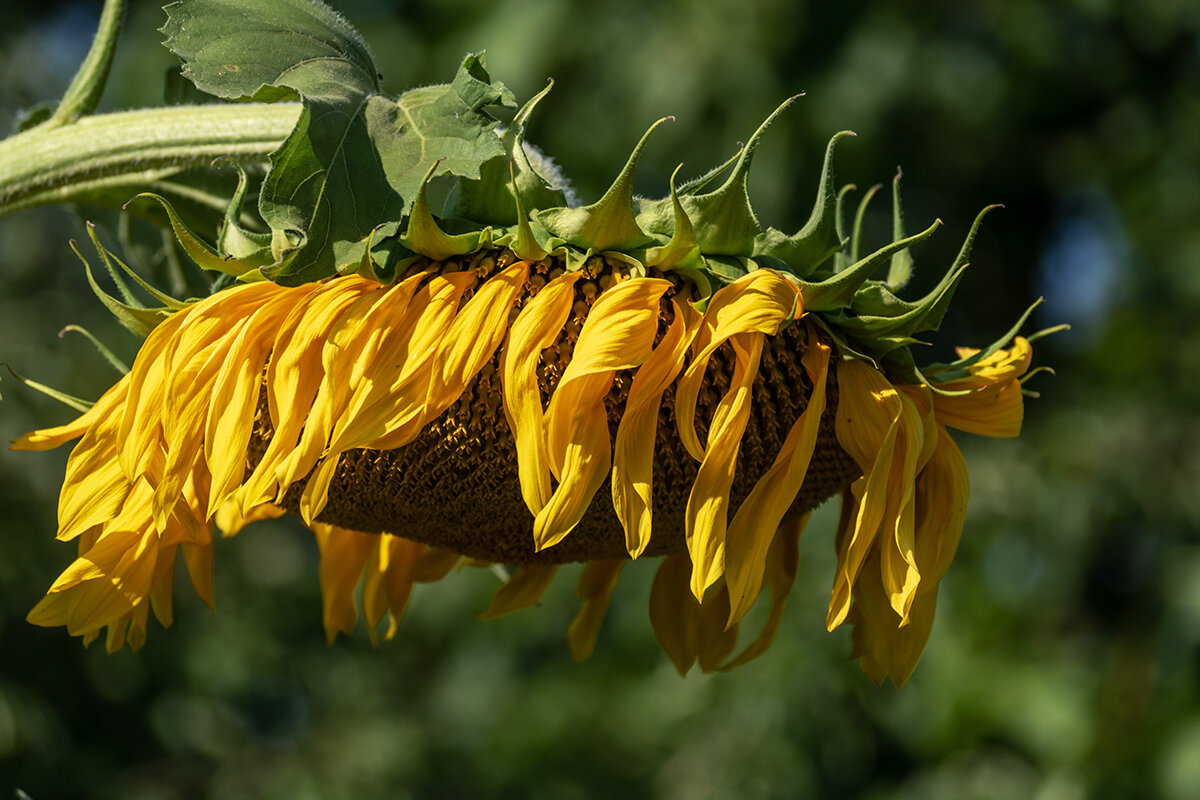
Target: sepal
{"x": 723, "y": 220}
{"x": 607, "y": 224}
{"x": 838, "y": 290}
{"x": 813, "y": 244}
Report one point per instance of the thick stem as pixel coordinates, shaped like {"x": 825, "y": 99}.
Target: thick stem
{"x": 65, "y": 164}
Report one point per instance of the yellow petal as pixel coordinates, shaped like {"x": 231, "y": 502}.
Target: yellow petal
{"x": 596, "y": 584}
{"x": 783, "y": 559}
{"x": 714, "y": 639}
{"x": 754, "y": 525}
{"x": 349, "y": 346}
{"x": 99, "y": 414}
{"x": 993, "y": 404}
{"x": 524, "y": 589}
{"x": 618, "y": 334}
{"x": 536, "y": 328}
{"x": 235, "y": 392}
{"x": 230, "y": 518}
{"x": 94, "y": 486}
{"x": 474, "y": 335}
{"x": 434, "y": 564}
{"x": 388, "y": 582}
{"x": 706, "y": 515}
{"x": 867, "y": 422}
{"x": 994, "y": 410}
{"x": 633, "y": 451}
{"x": 899, "y": 565}
{"x": 941, "y": 507}
{"x": 141, "y": 415}
{"x": 389, "y": 405}
{"x": 674, "y": 612}
{"x": 758, "y": 303}
{"x": 294, "y": 375}
{"x": 883, "y": 647}
{"x": 161, "y": 596}
{"x": 198, "y": 558}
{"x": 344, "y": 555}
{"x": 183, "y": 424}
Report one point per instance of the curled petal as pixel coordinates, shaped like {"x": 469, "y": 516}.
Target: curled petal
{"x": 596, "y": 584}
{"x": 536, "y": 328}
{"x": 754, "y": 525}
{"x": 633, "y": 451}
{"x": 618, "y": 334}
{"x": 705, "y": 519}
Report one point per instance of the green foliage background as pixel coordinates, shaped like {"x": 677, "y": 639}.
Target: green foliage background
{"x": 1065, "y": 662}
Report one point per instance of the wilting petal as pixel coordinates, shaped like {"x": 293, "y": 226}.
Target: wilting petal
{"x": 715, "y": 639}
{"x": 988, "y": 401}
{"x": 536, "y": 328}
{"x": 230, "y": 418}
{"x": 389, "y": 404}
{"x": 996, "y": 410}
{"x": 99, "y": 415}
{"x": 596, "y": 584}
{"x": 899, "y": 565}
{"x": 884, "y": 647}
{"x": 524, "y": 589}
{"x": 474, "y": 336}
{"x": 761, "y": 303}
{"x": 294, "y": 376}
{"x": 867, "y": 422}
{"x": 941, "y": 507}
{"x": 618, "y": 334}
{"x": 344, "y": 555}
{"x": 388, "y": 582}
{"x": 345, "y": 349}
{"x": 707, "y": 505}
{"x": 674, "y": 612}
{"x": 754, "y": 525}
{"x": 633, "y": 451}
{"x": 783, "y": 559}
{"x": 94, "y": 487}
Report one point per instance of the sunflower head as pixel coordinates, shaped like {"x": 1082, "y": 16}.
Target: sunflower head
{"x": 521, "y": 381}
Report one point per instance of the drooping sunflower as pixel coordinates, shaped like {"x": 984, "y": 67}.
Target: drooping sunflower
{"x": 548, "y": 384}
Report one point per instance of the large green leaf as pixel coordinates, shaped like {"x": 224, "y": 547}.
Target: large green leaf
{"x": 351, "y": 168}
{"x": 253, "y": 49}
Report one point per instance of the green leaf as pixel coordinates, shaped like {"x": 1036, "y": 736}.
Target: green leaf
{"x": 505, "y": 181}
{"x": 355, "y": 159}
{"x": 204, "y": 256}
{"x": 809, "y": 247}
{"x": 446, "y": 123}
{"x": 681, "y": 250}
{"x": 425, "y": 237}
{"x": 111, "y": 263}
{"x": 258, "y": 49}
{"x": 723, "y": 220}
{"x": 350, "y": 166}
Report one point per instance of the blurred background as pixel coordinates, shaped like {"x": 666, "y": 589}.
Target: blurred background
{"x": 1065, "y": 661}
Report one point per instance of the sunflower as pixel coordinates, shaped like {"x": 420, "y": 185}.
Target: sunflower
{"x": 630, "y": 379}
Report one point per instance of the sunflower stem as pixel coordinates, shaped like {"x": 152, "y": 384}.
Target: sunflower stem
{"x": 70, "y": 163}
